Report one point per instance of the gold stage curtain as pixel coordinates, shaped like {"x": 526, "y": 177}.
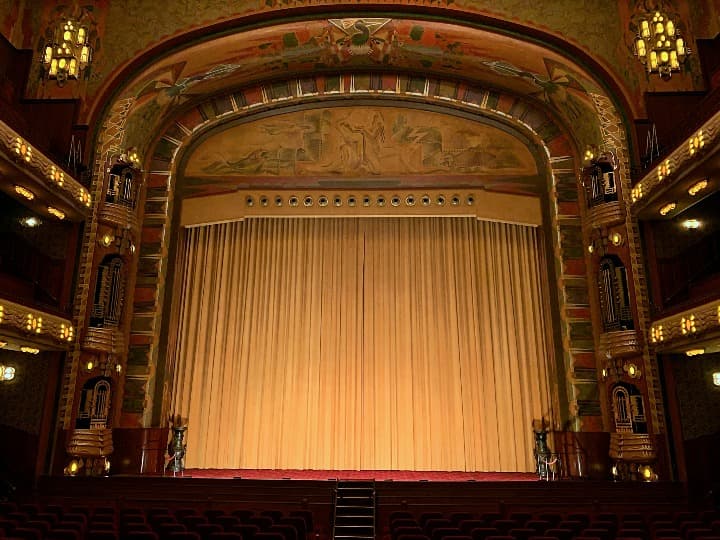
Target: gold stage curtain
{"x": 362, "y": 343}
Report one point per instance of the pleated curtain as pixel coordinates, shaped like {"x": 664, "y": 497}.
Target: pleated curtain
{"x": 362, "y": 344}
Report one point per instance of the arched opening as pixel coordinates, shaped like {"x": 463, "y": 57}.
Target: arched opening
{"x": 556, "y": 128}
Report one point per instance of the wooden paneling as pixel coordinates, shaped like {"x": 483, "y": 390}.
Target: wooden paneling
{"x": 139, "y": 450}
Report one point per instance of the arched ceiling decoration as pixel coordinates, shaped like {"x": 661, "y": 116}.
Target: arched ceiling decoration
{"x": 373, "y": 44}
{"x": 596, "y": 36}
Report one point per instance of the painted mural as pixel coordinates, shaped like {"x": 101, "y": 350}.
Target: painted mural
{"x": 362, "y": 143}
{"x": 499, "y": 61}
{"x": 596, "y": 27}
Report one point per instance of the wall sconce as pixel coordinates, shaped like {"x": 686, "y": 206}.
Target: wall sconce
{"x": 694, "y": 352}
{"x": 22, "y": 149}
{"x": 7, "y": 373}
{"x": 25, "y": 192}
{"x": 29, "y": 350}
{"x": 66, "y": 332}
{"x": 68, "y": 53}
{"x": 716, "y": 378}
{"x": 647, "y": 474}
{"x": 697, "y": 187}
{"x": 33, "y": 324}
{"x": 106, "y": 240}
{"x": 659, "y": 45}
{"x": 56, "y": 175}
{"x": 73, "y": 467}
{"x": 696, "y": 143}
{"x": 632, "y": 370}
{"x": 616, "y": 369}
{"x": 616, "y": 239}
{"x": 636, "y": 193}
{"x": 669, "y": 207}
{"x": 55, "y": 212}
{"x": 656, "y": 333}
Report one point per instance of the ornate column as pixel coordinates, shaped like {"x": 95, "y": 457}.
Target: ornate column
{"x": 102, "y": 357}
{"x": 619, "y": 344}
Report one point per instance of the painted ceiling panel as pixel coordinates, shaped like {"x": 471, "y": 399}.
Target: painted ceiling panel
{"x": 381, "y": 44}
{"x": 365, "y": 145}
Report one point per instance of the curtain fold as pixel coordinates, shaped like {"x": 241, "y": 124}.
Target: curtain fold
{"x": 362, "y": 343}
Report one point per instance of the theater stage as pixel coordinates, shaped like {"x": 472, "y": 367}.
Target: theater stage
{"x": 401, "y": 476}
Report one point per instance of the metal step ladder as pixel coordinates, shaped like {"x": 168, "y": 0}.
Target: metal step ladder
{"x": 354, "y": 510}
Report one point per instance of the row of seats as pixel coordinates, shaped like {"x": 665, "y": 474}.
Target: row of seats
{"x": 685, "y": 525}
{"x": 54, "y": 522}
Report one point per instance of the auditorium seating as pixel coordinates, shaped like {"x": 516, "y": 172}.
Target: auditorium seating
{"x": 50, "y": 521}
{"x": 53, "y": 522}
{"x": 573, "y": 525}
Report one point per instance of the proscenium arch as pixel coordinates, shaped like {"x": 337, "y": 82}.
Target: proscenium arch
{"x": 553, "y": 159}
{"x": 561, "y": 148}
{"x": 181, "y": 75}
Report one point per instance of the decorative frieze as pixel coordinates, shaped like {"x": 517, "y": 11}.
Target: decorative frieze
{"x": 685, "y": 327}
{"x": 107, "y": 340}
{"x": 36, "y": 325}
{"x": 620, "y": 344}
{"x": 118, "y": 215}
{"x": 632, "y": 447}
{"x": 606, "y": 215}
{"x": 34, "y": 163}
{"x": 90, "y": 443}
{"x": 672, "y": 167}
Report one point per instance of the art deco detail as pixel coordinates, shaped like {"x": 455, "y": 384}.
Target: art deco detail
{"x": 68, "y": 51}
{"x": 15, "y": 147}
{"x": 620, "y": 344}
{"x": 659, "y": 45}
{"x": 661, "y": 177}
{"x": 685, "y": 326}
{"x": 36, "y": 323}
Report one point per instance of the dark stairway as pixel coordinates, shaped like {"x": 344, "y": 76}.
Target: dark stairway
{"x": 354, "y": 510}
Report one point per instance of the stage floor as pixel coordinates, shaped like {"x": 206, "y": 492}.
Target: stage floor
{"x": 406, "y": 476}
